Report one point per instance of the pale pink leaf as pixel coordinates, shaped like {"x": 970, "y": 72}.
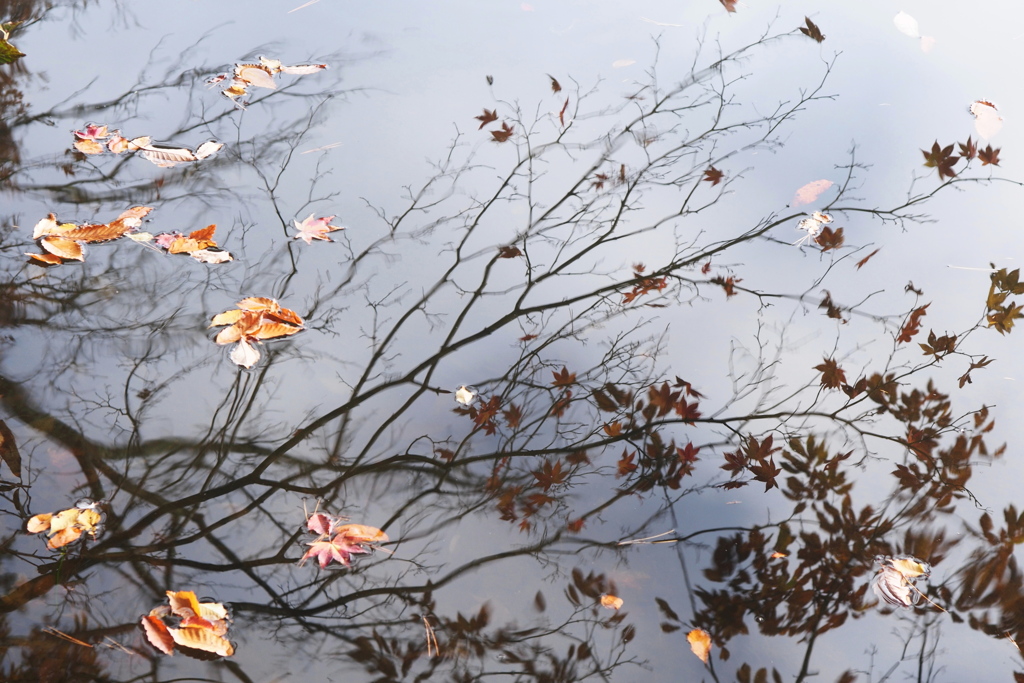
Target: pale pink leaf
{"x": 809, "y": 193}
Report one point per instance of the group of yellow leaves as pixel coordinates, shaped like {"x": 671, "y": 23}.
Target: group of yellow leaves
{"x": 67, "y": 526}
{"x": 197, "y": 630}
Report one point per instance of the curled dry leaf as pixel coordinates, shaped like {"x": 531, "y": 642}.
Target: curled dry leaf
{"x": 157, "y": 634}
{"x": 611, "y": 602}
{"x": 700, "y": 643}
{"x": 246, "y": 75}
{"x": 167, "y": 156}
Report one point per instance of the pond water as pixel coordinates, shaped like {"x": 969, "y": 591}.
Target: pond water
{"x": 582, "y": 215}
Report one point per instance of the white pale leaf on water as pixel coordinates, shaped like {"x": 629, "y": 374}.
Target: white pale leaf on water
{"x": 987, "y": 120}
{"x": 619, "y": 63}
{"x": 465, "y": 395}
{"x": 906, "y": 25}
{"x": 245, "y": 354}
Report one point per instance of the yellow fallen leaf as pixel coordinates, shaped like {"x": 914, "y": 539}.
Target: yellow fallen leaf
{"x": 700, "y": 643}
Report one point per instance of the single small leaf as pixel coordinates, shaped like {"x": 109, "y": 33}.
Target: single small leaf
{"x": 89, "y": 147}
{"x": 906, "y": 25}
{"x": 255, "y": 75}
{"x": 867, "y": 258}
{"x": 9, "y": 450}
{"x": 555, "y": 86}
{"x": 989, "y": 156}
{"x": 730, "y": 5}
{"x": 157, "y": 634}
{"x": 8, "y": 53}
{"x": 504, "y": 134}
{"x": 303, "y": 69}
{"x": 812, "y": 31}
{"x": 700, "y": 643}
{"x": 713, "y": 176}
{"x": 611, "y": 602}
{"x": 987, "y": 121}
{"x": 487, "y": 117}
{"x": 315, "y": 229}
{"x": 245, "y": 354}
{"x": 63, "y": 247}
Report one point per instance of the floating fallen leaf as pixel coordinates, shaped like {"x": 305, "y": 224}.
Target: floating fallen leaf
{"x": 9, "y": 450}
{"x": 611, "y": 602}
{"x": 465, "y": 395}
{"x": 987, "y": 120}
{"x": 620, "y": 63}
{"x": 809, "y": 193}
{"x": 166, "y": 156}
{"x": 812, "y": 31}
{"x": 713, "y": 176}
{"x": 67, "y": 526}
{"x": 897, "y": 577}
{"x": 812, "y": 226}
{"x": 315, "y": 229}
{"x": 63, "y": 247}
{"x": 700, "y": 643}
{"x": 64, "y": 241}
{"x": 907, "y": 25}
{"x": 211, "y": 255}
{"x": 256, "y": 319}
{"x": 246, "y": 75}
{"x": 194, "y": 628}
{"x": 339, "y": 542}
{"x": 555, "y": 85}
{"x": 8, "y": 53}
{"x": 89, "y": 147}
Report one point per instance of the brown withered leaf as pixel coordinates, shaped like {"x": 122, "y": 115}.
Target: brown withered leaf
{"x": 913, "y": 324}
{"x": 504, "y": 134}
{"x": 989, "y": 156}
{"x": 509, "y": 252}
{"x": 713, "y": 175}
{"x": 9, "y": 450}
{"x": 561, "y": 114}
{"x": 829, "y": 239}
{"x": 487, "y": 117}
{"x": 867, "y": 258}
{"x": 832, "y": 376}
{"x": 812, "y": 31}
{"x": 555, "y": 86}
{"x": 700, "y": 640}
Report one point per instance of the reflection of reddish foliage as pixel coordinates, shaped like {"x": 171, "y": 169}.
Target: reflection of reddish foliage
{"x": 913, "y": 324}
{"x": 727, "y": 283}
{"x": 645, "y": 286}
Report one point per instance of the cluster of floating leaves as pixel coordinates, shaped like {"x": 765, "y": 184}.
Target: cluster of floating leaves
{"x": 245, "y": 75}
{"x": 97, "y": 139}
{"x": 338, "y": 542}
{"x": 256, "y": 319}
{"x": 897, "y": 577}
{"x": 199, "y": 244}
{"x": 194, "y": 628}
{"x": 63, "y": 242}
{"x": 67, "y": 526}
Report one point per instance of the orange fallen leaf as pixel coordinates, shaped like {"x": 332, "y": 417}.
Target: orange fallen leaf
{"x": 62, "y": 247}
{"x": 157, "y": 634}
{"x": 700, "y": 643}
{"x": 611, "y": 601}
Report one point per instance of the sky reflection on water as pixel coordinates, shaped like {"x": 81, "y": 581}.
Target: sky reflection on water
{"x": 504, "y": 520}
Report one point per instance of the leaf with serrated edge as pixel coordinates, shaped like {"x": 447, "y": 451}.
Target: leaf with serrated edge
{"x": 202, "y": 639}
{"x": 157, "y": 634}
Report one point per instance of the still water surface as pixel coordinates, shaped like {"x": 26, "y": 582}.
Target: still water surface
{"x": 611, "y": 403}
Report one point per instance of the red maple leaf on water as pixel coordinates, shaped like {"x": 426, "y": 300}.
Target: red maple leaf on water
{"x": 339, "y": 549}
{"x": 504, "y": 134}
{"x": 989, "y": 156}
